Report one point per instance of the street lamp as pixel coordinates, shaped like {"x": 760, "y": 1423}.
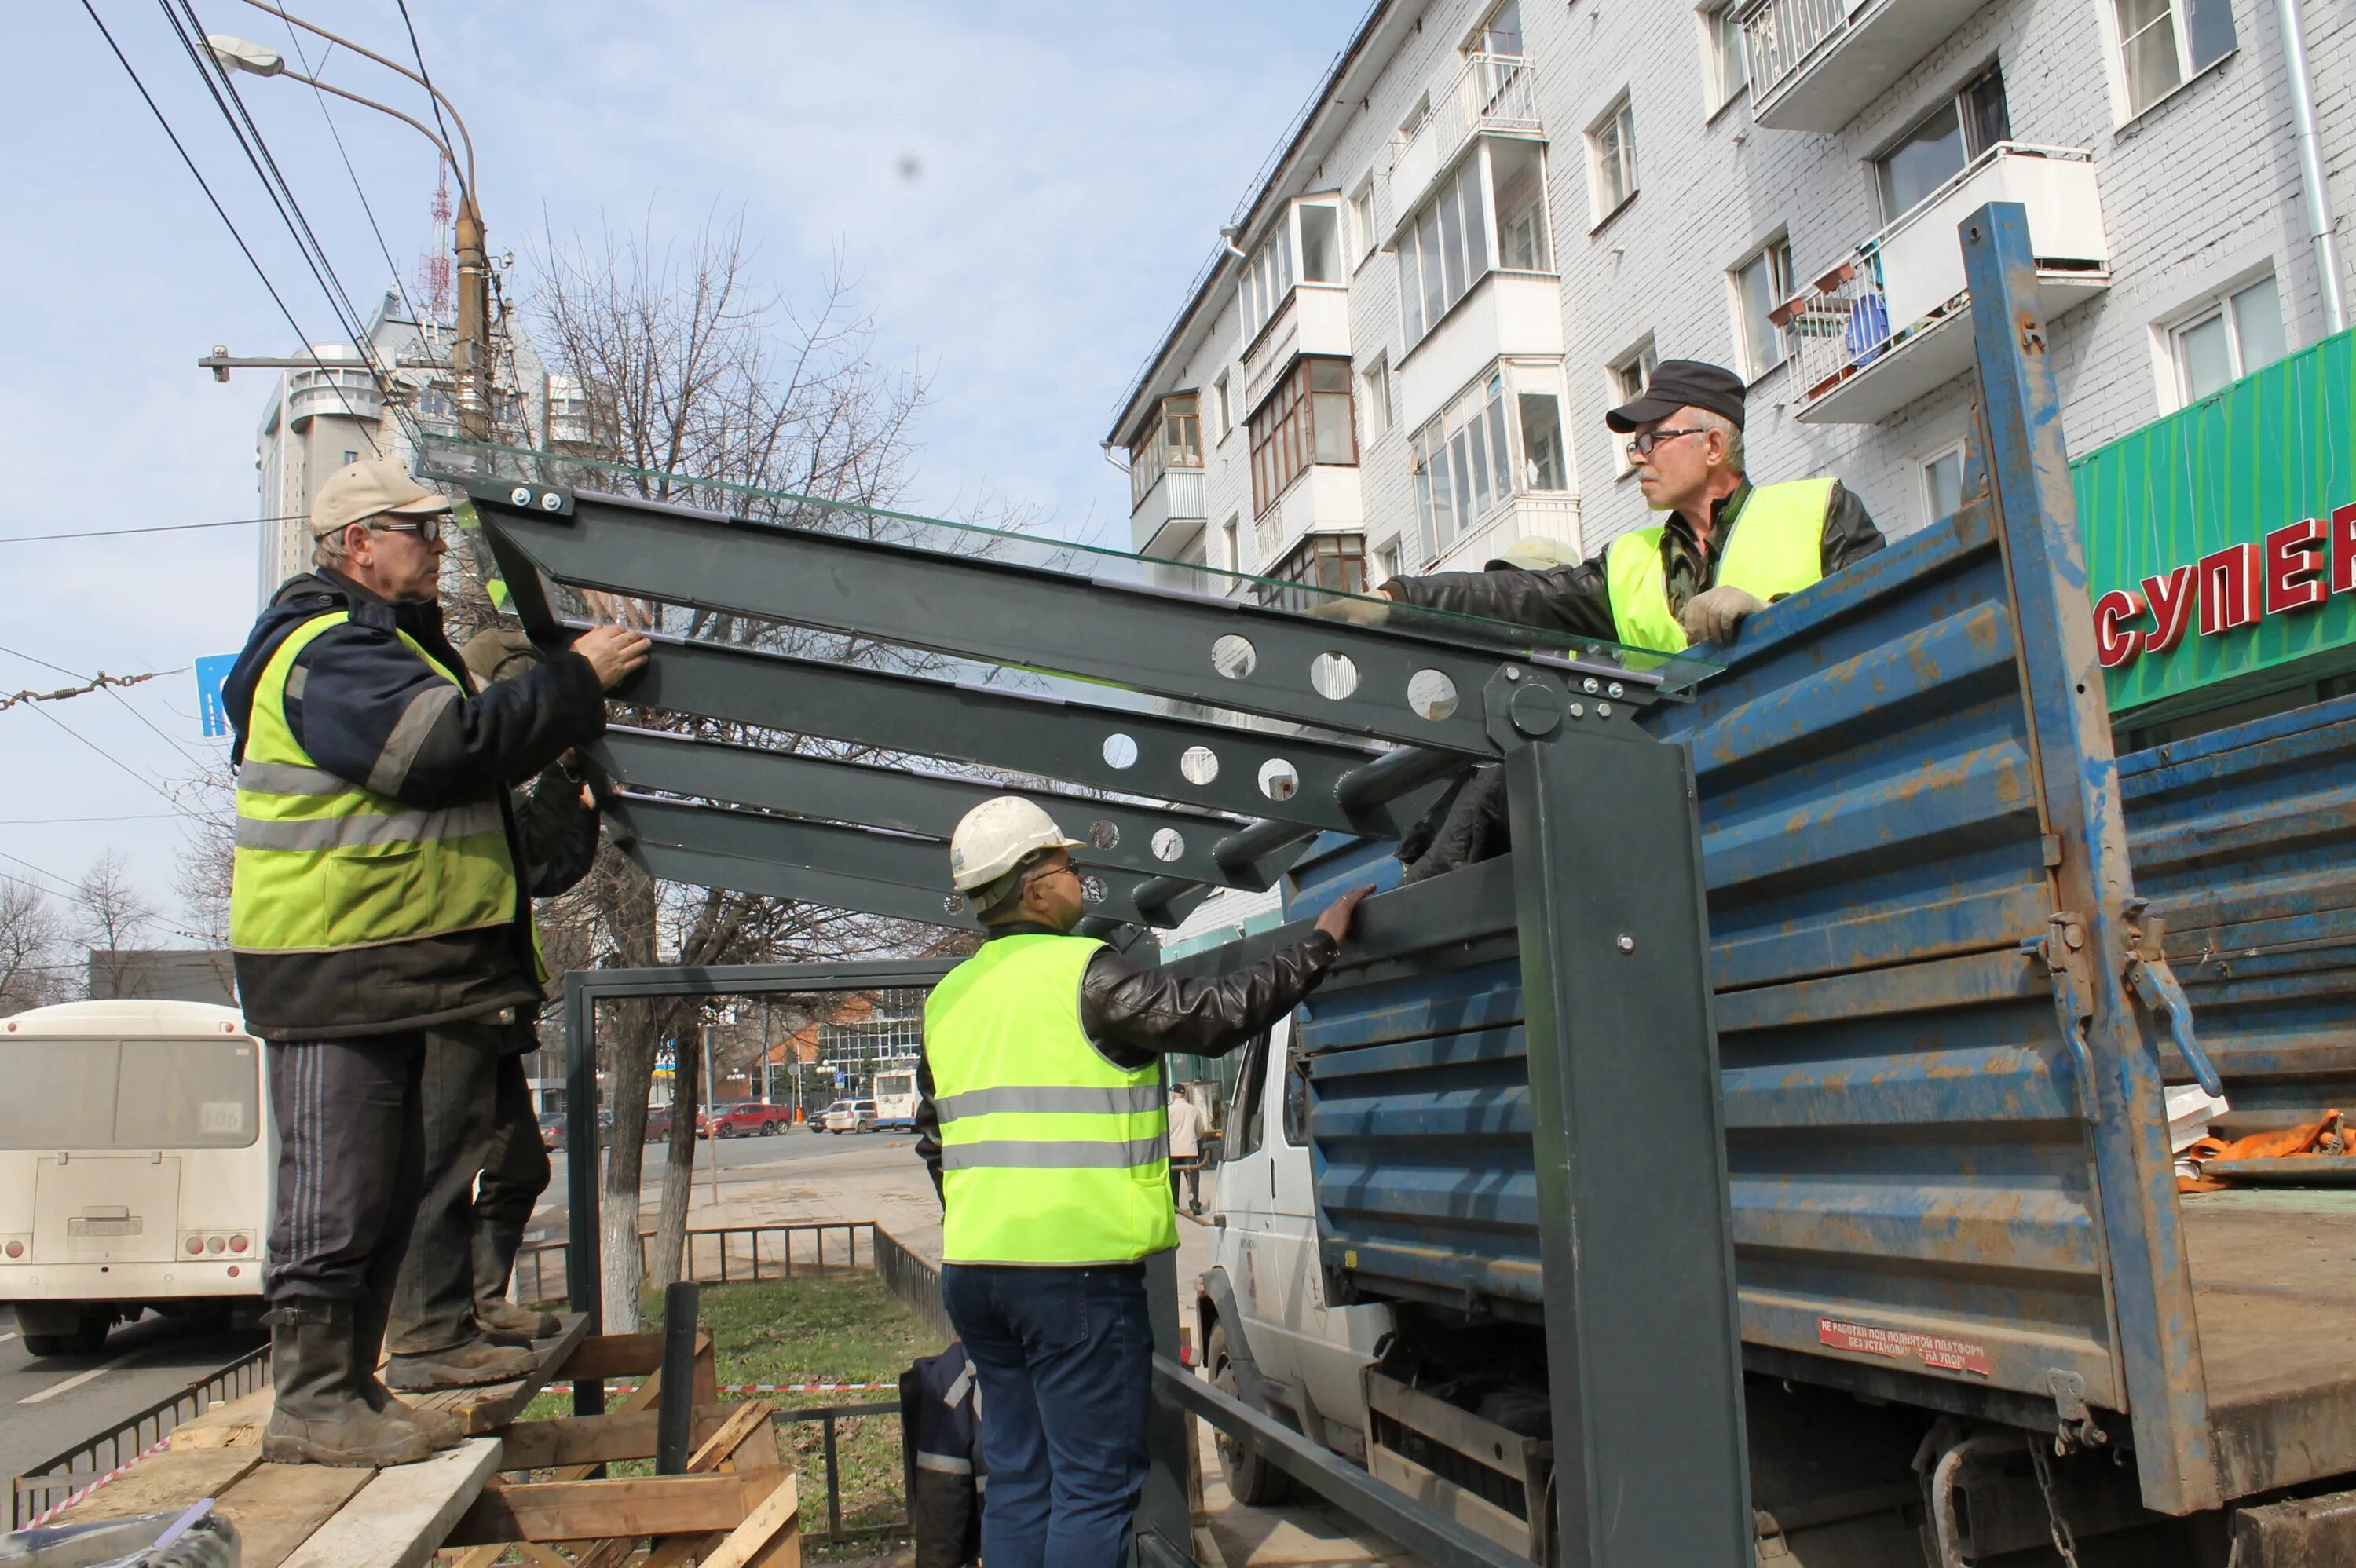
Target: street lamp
{"x": 470, "y": 356}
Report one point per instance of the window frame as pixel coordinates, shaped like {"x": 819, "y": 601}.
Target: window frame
{"x": 1375, "y": 399}
{"x": 1331, "y": 562}
{"x": 1637, "y": 361}
{"x": 1284, "y": 428}
{"x": 1491, "y": 402}
{"x": 2179, "y": 15}
{"x": 1620, "y": 117}
{"x": 1717, "y": 96}
{"x": 1365, "y": 236}
{"x": 1775, "y": 250}
{"x": 1923, "y": 494}
{"x": 1957, "y": 102}
{"x": 1151, "y": 456}
{"x": 2220, "y": 302}
{"x": 1443, "y": 227}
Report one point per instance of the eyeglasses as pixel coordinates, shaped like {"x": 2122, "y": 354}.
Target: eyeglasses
{"x": 1043, "y": 874}
{"x": 427, "y": 529}
{"x": 1642, "y": 443}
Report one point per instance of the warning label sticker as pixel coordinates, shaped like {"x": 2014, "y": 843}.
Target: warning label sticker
{"x": 1935, "y": 1350}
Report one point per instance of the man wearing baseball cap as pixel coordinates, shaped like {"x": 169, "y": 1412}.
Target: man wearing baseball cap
{"x": 376, "y": 895}
{"x": 1728, "y": 549}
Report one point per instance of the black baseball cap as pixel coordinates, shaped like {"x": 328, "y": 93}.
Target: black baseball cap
{"x": 1681, "y": 383}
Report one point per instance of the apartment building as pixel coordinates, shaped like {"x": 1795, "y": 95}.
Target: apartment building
{"x": 1492, "y": 217}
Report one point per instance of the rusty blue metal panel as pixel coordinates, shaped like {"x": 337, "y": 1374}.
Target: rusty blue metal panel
{"x": 2246, "y": 842}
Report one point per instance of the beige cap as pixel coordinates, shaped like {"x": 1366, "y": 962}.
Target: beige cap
{"x": 1534, "y": 554}
{"x": 359, "y": 491}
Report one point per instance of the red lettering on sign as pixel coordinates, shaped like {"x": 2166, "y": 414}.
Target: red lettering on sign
{"x": 2292, "y": 557}
{"x": 1936, "y": 1351}
{"x": 2229, "y": 588}
{"x": 2116, "y": 646}
{"x": 2343, "y": 549}
{"x": 2171, "y": 597}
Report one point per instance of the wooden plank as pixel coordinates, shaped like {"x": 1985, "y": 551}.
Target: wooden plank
{"x": 749, "y": 1441}
{"x": 277, "y": 1508}
{"x": 537, "y": 1556}
{"x": 165, "y": 1482}
{"x": 481, "y": 1556}
{"x": 722, "y": 1443}
{"x": 619, "y": 1356}
{"x": 596, "y": 1439}
{"x": 597, "y": 1510}
{"x": 398, "y": 1520}
{"x": 488, "y": 1408}
{"x": 233, "y": 1424}
{"x": 770, "y": 1536}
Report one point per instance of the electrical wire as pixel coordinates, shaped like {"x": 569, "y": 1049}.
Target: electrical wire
{"x": 419, "y": 55}
{"x": 193, "y": 760}
{"x": 159, "y": 529}
{"x": 294, "y": 41}
{"x": 119, "y": 816}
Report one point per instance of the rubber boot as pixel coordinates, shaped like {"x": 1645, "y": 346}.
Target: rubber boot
{"x": 501, "y": 1322}
{"x": 369, "y": 1315}
{"x": 468, "y": 1364}
{"x": 320, "y": 1416}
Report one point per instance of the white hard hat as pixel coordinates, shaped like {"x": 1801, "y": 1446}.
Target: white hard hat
{"x": 992, "y": 838}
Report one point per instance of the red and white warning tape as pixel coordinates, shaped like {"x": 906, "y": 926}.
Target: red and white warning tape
{"x": 771, "y": 1388}
{"x": 73, "y": 1498}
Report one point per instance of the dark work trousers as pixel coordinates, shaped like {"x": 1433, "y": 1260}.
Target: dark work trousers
{"x": 1066, "y": 1357}
{"x": 351, "y": 1145}
{"x": 478, "y": 1122}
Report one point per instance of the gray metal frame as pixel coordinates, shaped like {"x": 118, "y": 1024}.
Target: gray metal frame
{"x": 1648, "y": 1398}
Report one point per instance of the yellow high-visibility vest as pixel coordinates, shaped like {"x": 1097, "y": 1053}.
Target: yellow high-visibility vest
{"x": 1050, "y": 1154}
{"x": 1776, "y": 548}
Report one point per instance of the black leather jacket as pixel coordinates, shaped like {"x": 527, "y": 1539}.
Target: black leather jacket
{"x": 1134, "y": 1013}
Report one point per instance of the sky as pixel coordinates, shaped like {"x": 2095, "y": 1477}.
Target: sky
{"x": 1022, "y": 193}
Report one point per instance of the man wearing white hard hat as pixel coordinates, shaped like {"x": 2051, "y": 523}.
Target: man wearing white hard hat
{"x": 1042, "y": 1120}
{"x": 378, "y": 897}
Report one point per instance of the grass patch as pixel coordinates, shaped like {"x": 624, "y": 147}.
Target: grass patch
{"x": 846, "y": 1328}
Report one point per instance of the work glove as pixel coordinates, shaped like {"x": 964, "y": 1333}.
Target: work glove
{"x": 1357, "y": 612}
{"x": 1715, "y": 616}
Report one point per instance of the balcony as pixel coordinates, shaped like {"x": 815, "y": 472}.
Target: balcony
{"x": 1508, "y": 314}
{"x": 1815, "y": 64}
{"x": 1888, "y": 326}
{"x": 1324, "y": 500}
{"x": 1492, "y": 93}
{"x": 1172, "y": 511}
{"x": 1314, "y": 319}
{"x": 1528, "y": 515}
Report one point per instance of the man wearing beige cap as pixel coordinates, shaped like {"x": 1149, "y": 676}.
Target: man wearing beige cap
{"x": 376, "y": 896}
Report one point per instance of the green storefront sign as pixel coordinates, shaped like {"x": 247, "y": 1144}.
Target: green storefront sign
{"x": 2221, "y": 542}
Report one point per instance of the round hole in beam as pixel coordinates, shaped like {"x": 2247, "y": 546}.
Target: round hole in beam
{"x": 1279, "y": 780}
{"x": 1104, "y": 834}
{"x": 1198, "y": 765}
{"x": 1335, "y": 676}
{"x": 1168, "y": 844}
{"x": 1431, "y": 694}
{"x": 1092, "y": 888}
{"x": 1234, "y": 656}
{"x": 1119, "y": 750}
{"x": 953, "y": 904}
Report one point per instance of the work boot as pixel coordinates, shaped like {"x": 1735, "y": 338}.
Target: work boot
{"x": 468, "y": 1364}
{"x": 502, "y": 1322}
{"x": 369, "y": 1315}
{"x": 320, "y": 1416}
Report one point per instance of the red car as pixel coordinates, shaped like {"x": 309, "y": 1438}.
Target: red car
{"x": 659, "y": 1123}
{"x": 751, "y": 1117}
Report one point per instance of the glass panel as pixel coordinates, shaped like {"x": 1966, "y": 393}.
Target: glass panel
{"x": 1611, "y": 189}
{"x": 1502, "y": 33}
{"x": 1460, "y": 470}
{"x": 60, "y": 1093}
{"x": 1476, "y": 467}
{"x": 1500, "y": 462}
{"x": 1988, "y": 121}
{"x": 1543, "y": 467}
{"x": 1443, "y": 496}
{"x": 1410, "y": 288}
{"x": 1320, "y": 244}
{"x": 2204, "y": 356}
{"x": 1336, "y": 442}
{"x": 1924, "y": 159}
{"x": 1423, "y": 500}
{"x": 1763, "y": 344}
{"x": 1183, "y": 431}
{"x": 2208, "y": 27}
{"x": 1435, "y": 300}
{"x": 1282, "y": 249}
{"x": 2258, "y": 326}
{"x": 190, "y": 1093}
{"x": 2147, "y": 43}
{"x": 1477, "y": 223}
{"x": 1725, "y": 36}
{"x": 1520, "y": 171}
{"x": 1452, "y": 251}
{"x": 1943, "y": 485}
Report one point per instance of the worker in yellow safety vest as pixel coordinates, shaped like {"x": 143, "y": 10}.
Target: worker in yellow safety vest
{"x": 1041, "y": 1115}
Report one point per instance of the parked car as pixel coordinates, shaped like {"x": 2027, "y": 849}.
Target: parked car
{"x": 659, "y": 1123}
{"x": 851, "y": 1117}
{"x": 554, "y": 1127}
{"x": 753, "y": 1117}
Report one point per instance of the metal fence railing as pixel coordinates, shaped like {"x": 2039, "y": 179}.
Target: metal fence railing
{"x": 1780, "y": 34}
{"x": 44, "y": 1486}
{"x": 914, "y": 1279}
{"x": 719, "y": 1255}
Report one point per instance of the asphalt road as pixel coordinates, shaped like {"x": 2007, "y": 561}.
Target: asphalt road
{"x": 47, "y": 1402}
{"x": 743, "y": 1162}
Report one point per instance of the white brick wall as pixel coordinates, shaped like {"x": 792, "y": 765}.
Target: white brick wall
{"x": 2201, "y": 190}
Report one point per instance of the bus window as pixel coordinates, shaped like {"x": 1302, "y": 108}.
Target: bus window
{"x": 60, "y": 1093}
{"x": 188, "y": 1093}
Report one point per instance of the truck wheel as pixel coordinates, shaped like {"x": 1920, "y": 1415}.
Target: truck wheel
{"x": 87, "y": 1337}
{"x": 1252, "y": 1478}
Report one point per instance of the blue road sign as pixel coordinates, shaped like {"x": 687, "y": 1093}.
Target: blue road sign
{"x": 212, "y": 708}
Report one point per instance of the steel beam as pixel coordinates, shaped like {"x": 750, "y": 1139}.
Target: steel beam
{"x": 1187, "y": 646}
{"x": 1158, "y": 842}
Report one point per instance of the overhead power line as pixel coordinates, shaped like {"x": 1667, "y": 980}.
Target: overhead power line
{"x": 158, "y": 529}
{"x": 435, "y": 98}
{"x": 294, "y": 42}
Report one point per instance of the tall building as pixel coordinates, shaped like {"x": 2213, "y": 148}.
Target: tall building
{"x": 1493, "y": 219}
{"x": 321, "y": 418}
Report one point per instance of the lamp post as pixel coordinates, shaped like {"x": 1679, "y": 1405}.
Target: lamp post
{"x": 471, "y": 351}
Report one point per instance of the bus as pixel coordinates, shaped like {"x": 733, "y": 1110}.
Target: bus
{"x": 896, "y": 1092}
{"x": 136, "y": 1161}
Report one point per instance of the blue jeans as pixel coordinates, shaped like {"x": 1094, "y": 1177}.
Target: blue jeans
{"x": 1067, "y": 1362}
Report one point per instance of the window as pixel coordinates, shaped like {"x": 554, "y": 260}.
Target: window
{"x": 1943, "y": 483}
{"x": 1375, "y": 398}
{"x": 1628, "y": 376}
{"x": 1296, "y": 1097}
{"x": 2164, "y": 43}
{"x": 1517, "y": 173}
{"x": 1223, "y": 411}
{"x": 2229, "y": 337}
{"x": 350, "y": 458}
{"x": 1612, "y": 159}
{"x": 1725, "y": 70}
{"x": 1938, "y": 147}
{"x": 1760, "y": 284}
{"x": 1386, "y": 563}
{"x": 1231, "y": 536}
{"x": 141, "y": 1092}
{"x": 1268, "y": 281}
{"x": 1545, "y": 465}
{"x": 1500, "y": 33}
{"x": 1362, "y": 219}
{"x": 1336, "y": 563}
{"x": 1305, "y": 419}
{"x": 1307, "y": 239}
{"x": 1174, "y": 440}
{"x": 1416, "y": 117}
{"x": 1443, "y": 251}
{"x": 1321, "y": 242}
{"x": 1243, "y": 1134}
{"x": 1462, "y": 468}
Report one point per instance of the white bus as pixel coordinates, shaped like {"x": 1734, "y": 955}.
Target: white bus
{"x": 895, "y": 1091}
{"x": 134, "y": 1167}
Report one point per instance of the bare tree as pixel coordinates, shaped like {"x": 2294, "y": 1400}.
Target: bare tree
{"x": 114, "y": 913}
{"x": 32, "y": 949}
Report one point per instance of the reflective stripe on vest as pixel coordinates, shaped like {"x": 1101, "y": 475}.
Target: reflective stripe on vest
{"x": 1774, "y": 547}
{"x": 1050, "y": 1154}
{"x": 323, "y": 864}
